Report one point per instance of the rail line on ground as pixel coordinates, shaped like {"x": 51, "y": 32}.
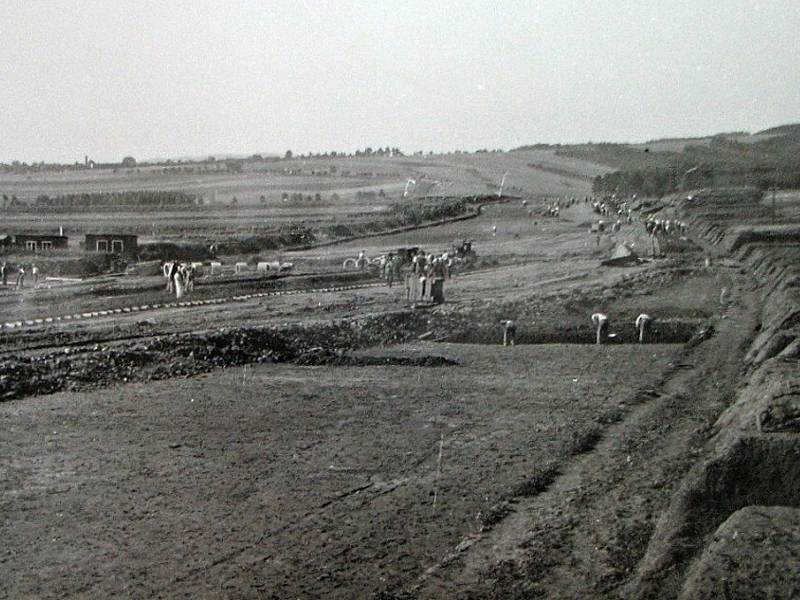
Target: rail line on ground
{"x": 43, "y": 321}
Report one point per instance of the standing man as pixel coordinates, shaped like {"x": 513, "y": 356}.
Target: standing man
{"x": 509, "y": 332}
{"x": 174, "y": 267}
{"x": 35, "y": 273}
{"x": 20, "y": 278}
{"x": 388, "y": 269}
{"x": 4, "y": 273}
{"x": 190, "y": 273}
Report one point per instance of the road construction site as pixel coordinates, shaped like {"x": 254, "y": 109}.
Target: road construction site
{"x": 318, "y": 435}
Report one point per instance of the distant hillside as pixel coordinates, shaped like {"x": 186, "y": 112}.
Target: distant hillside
{"x": 791, "y": 129}
{"x": 768, "y": 158}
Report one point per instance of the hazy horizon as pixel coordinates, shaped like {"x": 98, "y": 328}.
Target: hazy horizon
{"x": 199, "y": 78}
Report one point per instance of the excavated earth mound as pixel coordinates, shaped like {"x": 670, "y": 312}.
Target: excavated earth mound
{"x": 731, "y": 530}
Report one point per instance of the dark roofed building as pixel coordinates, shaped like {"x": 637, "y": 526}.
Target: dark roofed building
{"x": 36, "y": 242}
{"x": 113, "y": 243}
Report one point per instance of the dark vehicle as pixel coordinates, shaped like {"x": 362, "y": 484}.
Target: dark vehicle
{"x": 406, "y": 254}
{"x": 464, "y": 250}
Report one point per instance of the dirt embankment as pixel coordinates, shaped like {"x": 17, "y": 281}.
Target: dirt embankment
{"x": 731, "y": 529}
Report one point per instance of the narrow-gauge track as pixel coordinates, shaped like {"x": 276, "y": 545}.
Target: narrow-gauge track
{"x": 44, "y": 321}
{"x": 40, "y": 322}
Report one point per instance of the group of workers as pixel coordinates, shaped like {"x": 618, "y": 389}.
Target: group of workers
{"x": 19, "y": 283}
{"x": 552, "y": 208}
{"x": 643, "y": 323}
{"x": 432, "y": 265}
{"x": 180, "y": 277}
{"x": 391, "y": 267}
{"x": 665, "y": 227}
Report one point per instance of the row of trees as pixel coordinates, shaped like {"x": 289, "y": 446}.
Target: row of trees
{"x": 317, "y": 197}
{"x": 107, "y": 199}
{"x": 368, "y": 151}
{"x": 299, "y": 197}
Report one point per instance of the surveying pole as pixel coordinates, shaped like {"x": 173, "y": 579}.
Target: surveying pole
{"x": 502, "y": 183}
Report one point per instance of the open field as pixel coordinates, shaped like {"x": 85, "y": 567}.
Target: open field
{"x": 454, "y": 175}
{"x": 538, "y": 172}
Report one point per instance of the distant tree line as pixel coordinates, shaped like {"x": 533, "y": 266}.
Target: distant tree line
{"x": 370, "y": 194}
{"x": 388, "y": 152}
{"x": 416, "y": 212}
{"x": 299, "y": 197}
{"x": 147, "y": 199}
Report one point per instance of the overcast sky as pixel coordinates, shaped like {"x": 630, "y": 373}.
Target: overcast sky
{"x": 161, "y": 79}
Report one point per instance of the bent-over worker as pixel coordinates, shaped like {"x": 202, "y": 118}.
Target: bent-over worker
{"x": 600, "y": 320}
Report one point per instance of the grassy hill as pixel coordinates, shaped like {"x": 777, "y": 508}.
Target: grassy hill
{"x": 765, "y": 159}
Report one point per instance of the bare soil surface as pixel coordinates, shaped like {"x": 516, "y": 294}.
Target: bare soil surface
{"x": 585, "y": 535}
{"x": 286, "y": 481}
{"x": 307, "y": 445}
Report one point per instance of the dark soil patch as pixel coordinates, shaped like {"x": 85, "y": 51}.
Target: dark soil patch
{"x": 321, "y": 356}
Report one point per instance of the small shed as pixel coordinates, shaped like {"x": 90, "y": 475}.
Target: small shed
{"x": 113, "y": 243}
{"x": 36, "y": 242}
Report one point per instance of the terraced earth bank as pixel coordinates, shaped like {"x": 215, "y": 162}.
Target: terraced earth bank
{"x": 367, "y": 449}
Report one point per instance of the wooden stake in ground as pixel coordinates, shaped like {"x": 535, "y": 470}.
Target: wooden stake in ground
{"x": 438, "y": 473}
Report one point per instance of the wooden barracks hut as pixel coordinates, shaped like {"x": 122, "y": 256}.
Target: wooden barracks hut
{"x": 113, "y": 243}
{"x": 40, "y": 242}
